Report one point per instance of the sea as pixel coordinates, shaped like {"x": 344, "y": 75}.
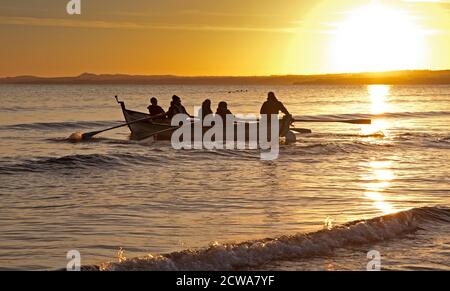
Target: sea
{"x": 345, "y": 197}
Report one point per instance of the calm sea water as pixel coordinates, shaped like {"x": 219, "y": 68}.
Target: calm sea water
{"x": 323, "y": 205}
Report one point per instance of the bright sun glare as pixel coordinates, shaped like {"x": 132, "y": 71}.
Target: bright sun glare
{"x": 378, "y": 38}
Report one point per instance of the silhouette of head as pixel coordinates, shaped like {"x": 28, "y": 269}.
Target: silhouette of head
{"x": 206, "y": 103}
{"x": 271, "y": 97}
{"x": 223, "y": 105}
{"x": 154, "y": 101}
{"x": 176, "y": 99}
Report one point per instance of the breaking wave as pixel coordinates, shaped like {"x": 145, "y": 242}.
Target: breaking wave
{"x": 245, "y": 255}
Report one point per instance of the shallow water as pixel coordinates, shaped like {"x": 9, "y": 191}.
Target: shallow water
{"x": 226, "y": 206}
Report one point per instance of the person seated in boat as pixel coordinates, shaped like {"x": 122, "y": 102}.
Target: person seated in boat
{"x": 176, "y": 108}
{"x": 155, "y": 110}
{"x": 223, "y": 111}
{"x": 273, "y": 106}
{"x": 205, "y": 110}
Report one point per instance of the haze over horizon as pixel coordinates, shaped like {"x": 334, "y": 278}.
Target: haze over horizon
{"x": 223, "y": 38}
{"x": 93, "y": 74}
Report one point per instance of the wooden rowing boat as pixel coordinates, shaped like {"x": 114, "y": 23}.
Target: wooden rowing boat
{"x": 163, "y": 130}
{"x": 144, "y": 127}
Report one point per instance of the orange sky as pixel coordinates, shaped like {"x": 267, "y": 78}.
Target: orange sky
{"x": 224, "y": 37}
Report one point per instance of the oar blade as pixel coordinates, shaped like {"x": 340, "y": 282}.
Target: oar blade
{"x": 89, "y": 135}
{"x": 351, "y": 121}
{"x": 301, "y": 130}
{"x": 360, "y": 121}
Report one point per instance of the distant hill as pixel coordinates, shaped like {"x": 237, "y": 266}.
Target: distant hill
{"x": 388, "y": 78}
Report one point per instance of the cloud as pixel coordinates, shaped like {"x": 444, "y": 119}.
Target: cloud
{"x": 77, "y": 23}
{"x": 59, "y": 22}
{"x": 225, "y": 14}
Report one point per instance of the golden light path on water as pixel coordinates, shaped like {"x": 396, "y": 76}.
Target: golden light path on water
{"x": 379, "y": 95}
{"x": 379, "y": 180}
{"x": 380, "y": 172}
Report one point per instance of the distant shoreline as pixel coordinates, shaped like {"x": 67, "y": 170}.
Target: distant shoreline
{"x": 417, "y": 77}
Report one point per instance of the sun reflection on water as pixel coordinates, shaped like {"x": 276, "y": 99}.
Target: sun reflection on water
{"x": 378, "y": 95}
{"x": 378, "y": 181}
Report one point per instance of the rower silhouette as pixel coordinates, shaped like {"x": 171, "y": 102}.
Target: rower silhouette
{"x": 154, "y": 109}
{"x": 223, "y": 111}
{"x": 205, "y": 110}
{"x": 273, "y": 106}
{"x": 176, "y": 108}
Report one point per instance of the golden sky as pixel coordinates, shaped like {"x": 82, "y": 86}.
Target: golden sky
{"x": 223, "y": 37}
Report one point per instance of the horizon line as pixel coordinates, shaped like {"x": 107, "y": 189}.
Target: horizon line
{"x": 221, "y": 76}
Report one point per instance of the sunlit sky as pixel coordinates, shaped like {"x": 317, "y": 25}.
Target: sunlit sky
{"x": 223, "y": 37}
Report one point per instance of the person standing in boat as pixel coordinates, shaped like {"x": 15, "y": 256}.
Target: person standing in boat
{"x": 205, "y": 110}
{"x": 155, "y": 110}
{"x": 176, "y": 108}
{"x": 273, "y": 106}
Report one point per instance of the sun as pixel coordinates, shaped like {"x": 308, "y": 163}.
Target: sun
{"x": 377, "y": 38}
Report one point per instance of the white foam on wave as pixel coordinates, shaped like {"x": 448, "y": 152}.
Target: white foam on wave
{"x": 227, "y": 257}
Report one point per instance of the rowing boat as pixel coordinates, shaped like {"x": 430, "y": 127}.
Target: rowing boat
{"x": 142, "y": 126}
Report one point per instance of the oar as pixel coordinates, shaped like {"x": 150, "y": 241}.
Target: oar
{"x": 89, "y": 135}
{"x": 351, "y": 121}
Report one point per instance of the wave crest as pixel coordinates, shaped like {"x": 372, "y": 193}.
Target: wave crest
{"x": 228, "y": 257}
{"x": 75, "y": 162}
{"x": 59, "y": 125}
